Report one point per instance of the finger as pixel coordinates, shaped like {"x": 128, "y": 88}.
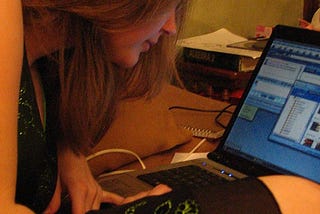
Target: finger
{"x": 109, "y": 197}
{"x": 97, "y": 199}
{"x": 56, "y": 199}
{"x": 77, "y": 202}
{"x": 135, "y": 197}
{"x": 93, "y": 193}
{"x": 159, "y": 190}
{"x": 85, "y": 199}
{"x": 93, "y": 196}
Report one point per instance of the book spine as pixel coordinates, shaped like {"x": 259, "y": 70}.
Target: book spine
{"x": 212, "y": 72}
{"x": 211, "y": 58}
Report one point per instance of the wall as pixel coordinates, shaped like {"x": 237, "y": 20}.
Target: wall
{"x": 241, "y": 16}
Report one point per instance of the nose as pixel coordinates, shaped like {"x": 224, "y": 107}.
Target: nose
{"x": 170, "y": 27}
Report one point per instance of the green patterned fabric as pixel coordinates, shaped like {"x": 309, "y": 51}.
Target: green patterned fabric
{"x": 37, "y": 162}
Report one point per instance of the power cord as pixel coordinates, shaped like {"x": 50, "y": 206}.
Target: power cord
{"x": 198, "y": 146}
{"x": 185, "y": 156}
{"x": 224, "y": 110}
{"x": 195, "y": 148}
{"x": 108, "y": 151}
{"x": 221, "y": 112}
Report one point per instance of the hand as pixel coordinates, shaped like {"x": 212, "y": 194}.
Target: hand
{"x": 158, "y": 190}
{"x": 84, "y": 191}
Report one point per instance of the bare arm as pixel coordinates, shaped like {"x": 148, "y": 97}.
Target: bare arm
{"x": 294, "y": 194}
{"x": 11, "y": 52}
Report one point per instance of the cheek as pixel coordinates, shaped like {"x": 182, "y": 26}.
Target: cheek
{"x": 125, "y": 51}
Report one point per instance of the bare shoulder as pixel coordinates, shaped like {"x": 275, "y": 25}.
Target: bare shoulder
{"x": 11, "y": 31}
{"x": 294, "y": 194}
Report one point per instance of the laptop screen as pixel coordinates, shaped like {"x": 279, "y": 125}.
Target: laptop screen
{"x": 278, "y": 122}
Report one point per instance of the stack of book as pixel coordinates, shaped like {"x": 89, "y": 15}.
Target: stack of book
{"x": 212, "y": 67}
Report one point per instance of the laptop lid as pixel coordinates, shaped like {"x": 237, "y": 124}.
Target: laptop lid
{"x": 277, "y": 123}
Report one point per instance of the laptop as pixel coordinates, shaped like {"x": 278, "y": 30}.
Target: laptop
{"x": 275, "y": 128}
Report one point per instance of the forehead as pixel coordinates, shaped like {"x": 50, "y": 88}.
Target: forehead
{"x": 128, "y": 17}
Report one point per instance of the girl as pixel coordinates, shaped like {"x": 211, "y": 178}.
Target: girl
{"x": 80, "y": 58}
{"x": 66, "y": 64}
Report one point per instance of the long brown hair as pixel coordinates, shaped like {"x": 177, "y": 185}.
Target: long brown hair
{"x": 90, "y": 85}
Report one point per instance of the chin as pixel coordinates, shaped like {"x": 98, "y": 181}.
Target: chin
{"x": 128, "y": 65}
{"x": 127, "y": 62}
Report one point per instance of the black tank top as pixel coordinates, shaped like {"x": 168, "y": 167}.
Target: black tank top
{"x": 37, "y": 159}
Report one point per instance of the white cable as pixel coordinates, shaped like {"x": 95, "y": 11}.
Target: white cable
{"x": 198, "y": 145}
{"x": 103, "y": 175}
{"x": 107, "y": 151}
{"x": 195, "y": 148}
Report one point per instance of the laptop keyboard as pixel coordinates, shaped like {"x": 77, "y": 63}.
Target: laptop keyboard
{"x": 182, "y": 177}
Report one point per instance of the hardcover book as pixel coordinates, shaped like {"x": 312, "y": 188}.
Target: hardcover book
{"x": 213, "y": 49}
{"x": 232, "y": 62}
